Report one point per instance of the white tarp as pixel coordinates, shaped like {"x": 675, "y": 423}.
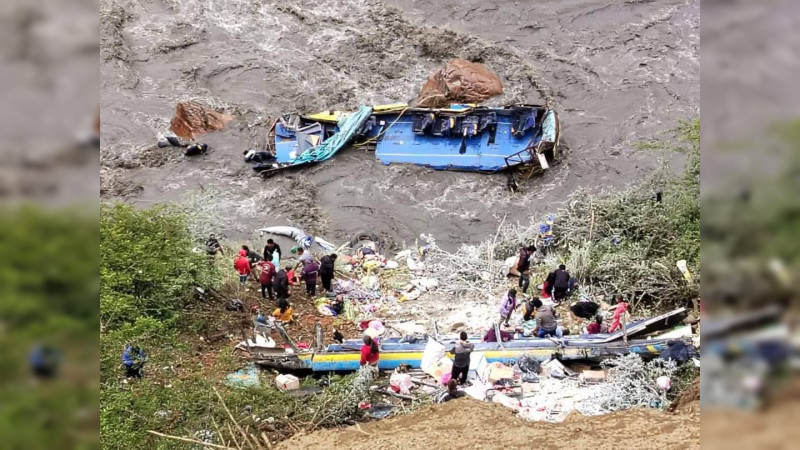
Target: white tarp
{"x": 300, "y": 236}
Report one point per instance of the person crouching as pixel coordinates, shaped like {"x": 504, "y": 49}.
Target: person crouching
{"x": 370, "y": 353}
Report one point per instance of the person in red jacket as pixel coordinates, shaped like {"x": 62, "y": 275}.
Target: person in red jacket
{"x": 619, "y": 313}
{"x": 242, "y": 266}
{"x": 370, "y": 353}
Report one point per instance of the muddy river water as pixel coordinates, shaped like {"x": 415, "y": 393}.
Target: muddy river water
{"x": 618, "y": 72}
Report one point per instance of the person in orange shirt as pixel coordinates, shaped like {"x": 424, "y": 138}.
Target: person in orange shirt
{"x": 283, "y": 312}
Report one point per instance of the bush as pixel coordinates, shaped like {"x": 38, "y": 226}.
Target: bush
{"x": 148, "y": 268}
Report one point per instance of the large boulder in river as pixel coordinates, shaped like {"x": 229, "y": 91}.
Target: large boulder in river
{"x": 459, "y": 81}
{"x": 192, "y": 119}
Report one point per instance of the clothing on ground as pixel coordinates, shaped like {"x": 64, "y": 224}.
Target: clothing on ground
{"x": 585, "y": 309}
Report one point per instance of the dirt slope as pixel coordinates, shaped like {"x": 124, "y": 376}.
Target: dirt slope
{"x": 469, "y": 424}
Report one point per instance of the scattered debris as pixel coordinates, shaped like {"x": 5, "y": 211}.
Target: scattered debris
{"x": 245, "y": 377}
{"x": 287, "y": 382}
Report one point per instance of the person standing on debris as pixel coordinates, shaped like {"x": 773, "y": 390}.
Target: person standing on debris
{"x": 283, "y": 312}
{"x": 267, "y": 273}
{"x": 272, "y": 249}
{"x": 370, "y": 353}
{"x": 560, "y": 283}
{"x": 242, "y": 266}
{"x": 462, "y": 351}
{"x": 507, "y": 306}
{"x": 523, "y": 266}
{"x": 310, "y": 270}
{"x": 546, "y": 324}
{"x": 213, "y": 247}
{"x": 326, "y": 270}
{"x": 619, "y": 313}
{"x": 280, "y": 283}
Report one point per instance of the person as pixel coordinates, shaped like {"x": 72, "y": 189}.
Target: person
{"x": 280, "y": 284}
{"x": 252, "y": 256}
{"x": 528, "y": 321}
{"x": 133, "y": 359}
{"x": 310, "y": 270}
{"x": 523, "y": 266}
{"x": 366, "y": 250}
{"x": 265, "y": 278}
{"x": 195, "y": 149}
{"x": 491, "y": 336}
{"x": 452, "y": 392}
{"x": 597, "y": 326}
{"x": 283, "y": 312}
{"x": 258, "y": 156}
{"x": 302, "y": 257}
{"x": 619, "y": 313}
{"x": 294, "y": 280}
{"x": 547, "y": 286}
{"x": 546, "y": 324}
{"x": 462, "y": 351}
{"x": 260, "y": 317}
{"x": 326, "y": 265}
{"x": 213, "y": 247}
{"x": 337, "y": 306}
{"x": 44, "y": 361}
{"x": 560, "y": 283}
{"x": 507, "y": 305}
{"x": 338, "y": 337}
{"x": 271, "y": 248}
{"x": 370, "y": 353}
{"x": 242, "y": 266}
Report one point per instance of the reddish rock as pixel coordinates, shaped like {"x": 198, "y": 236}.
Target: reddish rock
{"x": 192, "y": 119}
{"x": 459, "y": 81}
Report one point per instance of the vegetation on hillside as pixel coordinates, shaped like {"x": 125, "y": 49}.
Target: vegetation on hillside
{"x": 49, "y": 289}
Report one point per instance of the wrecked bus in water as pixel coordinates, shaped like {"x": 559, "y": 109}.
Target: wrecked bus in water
{"x": 460, "y": 137}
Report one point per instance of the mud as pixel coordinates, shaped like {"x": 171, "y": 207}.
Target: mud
{"x": 469, "y": 424}
{"x": 618, "y": 72}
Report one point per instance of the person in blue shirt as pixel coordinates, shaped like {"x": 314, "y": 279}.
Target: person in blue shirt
{"x": 133, "y": 358}
{"x": 44, "y": 361}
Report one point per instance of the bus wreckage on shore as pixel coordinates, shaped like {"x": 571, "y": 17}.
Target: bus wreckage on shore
{"x": 647, "y": 338}
{"x": 462, "y": 137}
